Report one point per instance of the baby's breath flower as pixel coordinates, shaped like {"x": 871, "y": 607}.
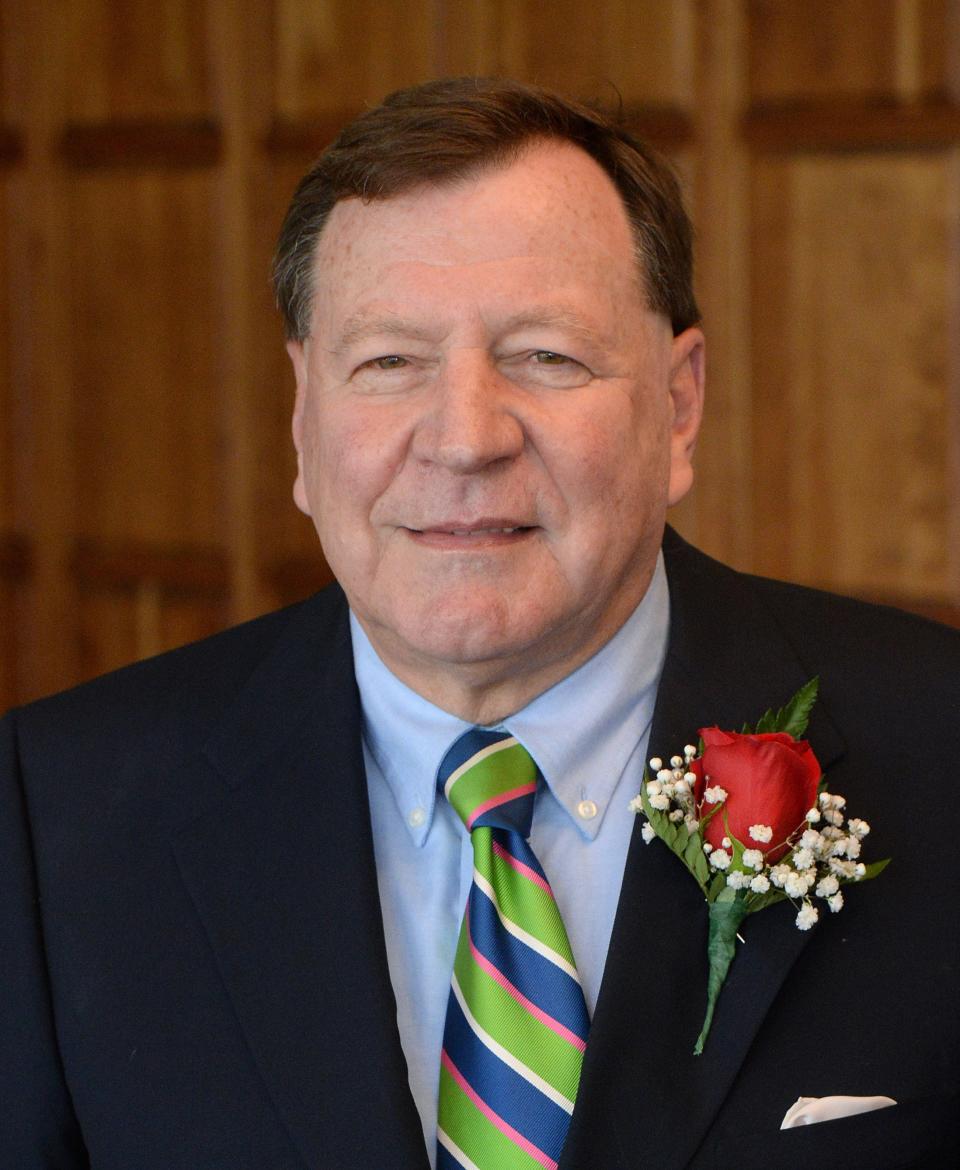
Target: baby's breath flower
{"x": 676, "y": 815}
{"x": 859, "y": 870}
{"x": 858, "y": 827}
{"x": 761, "y": 833}
{"x": 726, "y": 843}
{"x": 715, "y": 795}
{"x": 660, "y": 802}
{"x": 759, "y": 884}
{"x": 655, "y": 763}
{"x": 646, "y": 831}
{"x": 692, "y": 823}
{"x": 824, "y": 799}
{"x": 827, "y": 886}
{"x": 737, "y": 879}
{"x": 676, "y": 762}
{"x": 779, "y": 875}
{"x": 852, "y": 848}
{"x": 636, "y": 805}
{"x": 797, "y": 884}
{"x": 753, "y": 858}
{"x": 807, "y": 917}
{"x": 664, "y": 775}
{"x": 837, "y": 801}
{"x": 813, "y": 815}
{"x": 845, "y": 870}
{"x": 654, "y": 788}
{"x": 689, "y": 752}
{"x": 707, "y": 847}
{"x": 835, "y": 903}
{"x": 833, "y": 816}
{"x": 720, "y": 859}
{"x": 803, "y": 858}
{"x": 812, "y": 840}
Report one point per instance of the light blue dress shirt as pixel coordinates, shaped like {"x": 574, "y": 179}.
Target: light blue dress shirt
{"x": 588, "y": 735}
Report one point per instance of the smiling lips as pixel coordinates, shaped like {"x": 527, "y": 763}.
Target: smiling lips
{"x": 459, "y": 535}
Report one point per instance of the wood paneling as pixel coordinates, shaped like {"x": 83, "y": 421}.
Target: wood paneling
{"x": 852, "y": 367}
{"x": 135, "y": 60}
{"x": 822, "y": 49}
{"x": 143, "y": 354}
{"x": 334, "y": 57}
{"x": 148, "y": 150}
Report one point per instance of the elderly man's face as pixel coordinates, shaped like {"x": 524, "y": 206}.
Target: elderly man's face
{"x": 490, "y": 422}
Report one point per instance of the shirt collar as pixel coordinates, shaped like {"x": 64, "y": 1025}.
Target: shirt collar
{"x": 581, "y": 732}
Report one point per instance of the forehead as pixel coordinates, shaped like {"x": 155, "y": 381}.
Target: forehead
{"x": 553, "y": 205}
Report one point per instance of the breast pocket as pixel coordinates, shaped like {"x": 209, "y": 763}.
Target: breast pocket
{"x": 913, "y": 1135}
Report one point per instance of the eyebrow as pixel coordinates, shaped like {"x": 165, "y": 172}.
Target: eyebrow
{"x": 380, "y": 323}
{"x": 384, "y": 323}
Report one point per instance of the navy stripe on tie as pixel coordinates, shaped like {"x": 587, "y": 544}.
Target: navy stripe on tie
{"x": 541, "y": 981}
{"x": 446, "y": 1160}
{"x": 519, "y": 1103}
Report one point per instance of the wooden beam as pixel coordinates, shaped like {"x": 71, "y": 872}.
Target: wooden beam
{"x": 16, "y": 557}
{"x": 844, "y": 125}
{"x": 141, "y": 143}
{"x": 11, "y": 146}
{"x": 125, "y": 566}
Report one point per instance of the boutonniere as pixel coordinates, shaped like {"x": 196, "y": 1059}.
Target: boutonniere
{"x": 750, "y": 817}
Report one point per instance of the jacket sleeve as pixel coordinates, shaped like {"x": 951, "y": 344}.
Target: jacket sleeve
{"x": 38, "y": 1127}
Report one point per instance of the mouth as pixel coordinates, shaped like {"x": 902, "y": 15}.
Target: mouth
{"x": 461, "y": 534}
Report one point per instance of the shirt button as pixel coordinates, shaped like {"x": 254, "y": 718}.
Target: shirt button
{"x": 416, "y": 818}
{"x": 587, "y": 809}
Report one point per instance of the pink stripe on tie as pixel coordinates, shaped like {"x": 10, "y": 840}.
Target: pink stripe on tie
{"x": 522, "y": 868}
{"x": 502, "y": 798}
{"x": 495, "y": 1119}
{"x": 528, "y": 1005}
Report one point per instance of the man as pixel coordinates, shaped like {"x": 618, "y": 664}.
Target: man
{"x": 233, "y": 892}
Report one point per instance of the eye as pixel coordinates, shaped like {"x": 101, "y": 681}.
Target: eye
{"x": 390, "y": 361}
{"x": 546, "y": 357}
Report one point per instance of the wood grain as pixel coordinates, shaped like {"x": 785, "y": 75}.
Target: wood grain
{"x": 851, "y": 404}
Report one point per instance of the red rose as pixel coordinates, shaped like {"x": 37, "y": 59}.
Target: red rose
{"x": 769, "y": 779}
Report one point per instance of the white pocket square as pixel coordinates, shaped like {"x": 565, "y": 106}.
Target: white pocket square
{"x": 810, "y": 1110}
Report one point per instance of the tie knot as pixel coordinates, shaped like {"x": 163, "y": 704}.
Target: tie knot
{"x": 490, "y": 779}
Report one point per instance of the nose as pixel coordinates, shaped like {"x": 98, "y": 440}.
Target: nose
{"x": 472, "y": 421}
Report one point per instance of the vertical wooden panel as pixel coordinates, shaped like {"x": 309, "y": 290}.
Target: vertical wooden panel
{"x": 852, "y": 410}
{"x": 643, "y": 50}
{"x": 336, "y": 55}
{"x": 141, "y": 58}
{"x": 143, "y": 357}
{"x": 719, "y": 516}
{"x": 822, "y": 49}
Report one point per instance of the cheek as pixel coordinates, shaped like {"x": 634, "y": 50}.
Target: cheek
{"x": 350, "y": 461}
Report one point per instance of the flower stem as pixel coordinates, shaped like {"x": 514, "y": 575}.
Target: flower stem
{"x": 725, "y": 919}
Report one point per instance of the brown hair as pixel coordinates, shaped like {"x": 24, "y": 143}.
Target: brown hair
{"x": 445, "y": 130}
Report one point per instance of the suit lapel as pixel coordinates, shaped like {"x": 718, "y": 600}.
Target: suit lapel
{"x": 645, "y": 1100}
{"x": 284, "y": 880}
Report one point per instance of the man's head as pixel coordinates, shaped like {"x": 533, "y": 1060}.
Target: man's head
{"x": 492, "y": 415}
{"x": 446, "y": 130}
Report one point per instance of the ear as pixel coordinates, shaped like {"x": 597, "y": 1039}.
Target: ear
{"x": 686, "y": 395}
{"x": 298, "y": 356}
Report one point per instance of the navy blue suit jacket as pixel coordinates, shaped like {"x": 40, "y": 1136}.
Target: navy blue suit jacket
{"x": 193, "y": 967}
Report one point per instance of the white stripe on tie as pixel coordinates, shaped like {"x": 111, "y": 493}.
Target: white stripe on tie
{"x": 518, "y": 932}
{"x": 508, "y": 1058}
{"x": 451, "y": 1147}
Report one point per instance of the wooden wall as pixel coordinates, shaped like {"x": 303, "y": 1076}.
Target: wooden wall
{"x": 147, "y": 151}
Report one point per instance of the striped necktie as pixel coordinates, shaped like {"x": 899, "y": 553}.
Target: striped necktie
{"x": 517, "y": 1023}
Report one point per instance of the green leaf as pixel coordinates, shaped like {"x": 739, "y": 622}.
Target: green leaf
{"x": 794, "y": 717}
{"x": 757, "y": 902}
{"x": 696, "y": 861}
{"x": 725, "y": 919}
{"x": 874, "y": 869}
